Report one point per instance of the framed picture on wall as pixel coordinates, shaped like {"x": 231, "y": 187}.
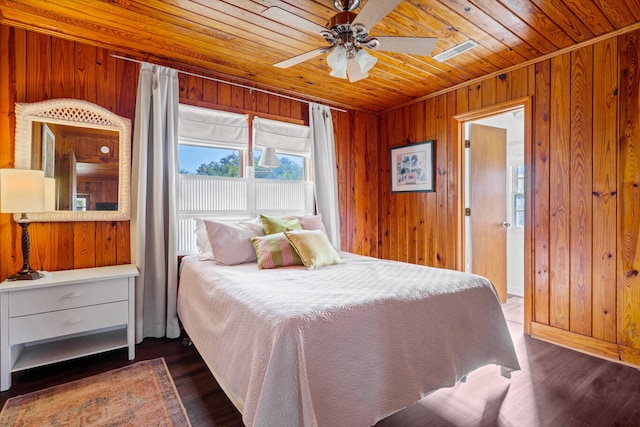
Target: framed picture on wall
{"x": 412, "y": 168}
{"x": 48, "y": 151}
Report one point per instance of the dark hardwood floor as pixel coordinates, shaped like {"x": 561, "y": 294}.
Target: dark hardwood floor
{"x": 556, "y": 387}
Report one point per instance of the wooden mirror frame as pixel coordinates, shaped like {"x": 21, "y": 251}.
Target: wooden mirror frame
{"x": 74, "y": 112}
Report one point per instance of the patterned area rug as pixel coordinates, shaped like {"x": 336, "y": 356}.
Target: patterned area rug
{"x": 142, "y": 394}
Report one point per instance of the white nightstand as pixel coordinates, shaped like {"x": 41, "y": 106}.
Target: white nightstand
{"x": 64, "y": 315}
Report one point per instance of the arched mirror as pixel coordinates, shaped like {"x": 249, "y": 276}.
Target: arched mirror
{"x": 86, "y": 149}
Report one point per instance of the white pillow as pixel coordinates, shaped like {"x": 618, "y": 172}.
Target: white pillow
{"x": 310, "y": 222}
{"x": 231, "y": 241}
{"x": 202, "y": 241}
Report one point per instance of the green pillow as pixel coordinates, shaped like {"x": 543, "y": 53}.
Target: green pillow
{"x": 274, "y": 250}
{"x": 272, "y": 225}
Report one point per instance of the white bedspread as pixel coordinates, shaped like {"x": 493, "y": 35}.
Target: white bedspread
{"x": 345, "y": 345}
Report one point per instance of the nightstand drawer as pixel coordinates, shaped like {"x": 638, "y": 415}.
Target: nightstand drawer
{"x": 42, "y": 300}
{"x": 65, "y": 322}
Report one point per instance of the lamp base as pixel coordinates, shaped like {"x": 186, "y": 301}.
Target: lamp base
{"x": 25, "y": 275}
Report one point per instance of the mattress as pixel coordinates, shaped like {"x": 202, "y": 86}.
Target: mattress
{"x": 347, "y": 344}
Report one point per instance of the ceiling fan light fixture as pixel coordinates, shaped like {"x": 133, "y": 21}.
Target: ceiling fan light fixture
{"x": 359, "y": 31}
{"x": 337, "y": 60}
{"x": 365, "y": 60}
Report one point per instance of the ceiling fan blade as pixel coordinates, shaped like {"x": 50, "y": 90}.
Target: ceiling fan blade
{"x": 422, "y": 46}
{"x": 353, "y": 71}
{"x": 287, "y": 18}
{"x": 302, "y": 57}
{"x": 374, "y": 11}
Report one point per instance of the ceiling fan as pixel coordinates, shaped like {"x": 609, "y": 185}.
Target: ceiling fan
{"x": 347, "y": 34}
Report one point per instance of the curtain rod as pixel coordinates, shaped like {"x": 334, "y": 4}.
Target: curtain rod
{"x": 233, "y": 84}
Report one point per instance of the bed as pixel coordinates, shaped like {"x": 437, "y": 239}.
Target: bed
{"x": 347, "y": 344}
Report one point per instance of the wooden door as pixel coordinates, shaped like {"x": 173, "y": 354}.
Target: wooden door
{"x": 488, "y": 193}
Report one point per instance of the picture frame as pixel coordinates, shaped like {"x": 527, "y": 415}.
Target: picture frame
{"x": 412, "y": 168}
{"x": 48, "y": 151}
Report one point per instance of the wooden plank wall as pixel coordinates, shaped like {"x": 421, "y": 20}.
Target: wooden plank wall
{"x": 35, "y": 67}
{"x": 420, "y": 227}
{"x": 584, "y": 167}
{"x": 629, "y": 199}
{"x": 356, "y": 162}
{"x": 585, "y": 190}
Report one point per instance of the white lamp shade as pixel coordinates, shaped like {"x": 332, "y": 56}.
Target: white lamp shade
{"x": 49, "y": 194}
{"x": 337, "y": 60}
{"x": 21, "y": 190}
{"x": 269, "y": 158}
{"x": 365, "y": 60}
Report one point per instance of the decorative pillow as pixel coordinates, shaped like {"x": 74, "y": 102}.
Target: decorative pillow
{"x": 310, "y": 222}
{"x": 231, "y": 242}
{"x": 272, "y": 225}
{"x": 274, "y": 250}
{"x": 205, "y": 252}
{"x": 314, "y": 248}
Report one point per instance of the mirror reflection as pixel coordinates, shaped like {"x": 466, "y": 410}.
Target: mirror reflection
{"x": 84, "y": 162}
{"x": 86, "y": 149}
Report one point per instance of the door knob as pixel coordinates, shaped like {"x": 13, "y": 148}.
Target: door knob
{"x": 505, "y": 224}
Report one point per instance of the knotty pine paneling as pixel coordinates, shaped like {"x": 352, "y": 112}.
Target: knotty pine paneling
{"x": 361, "y": 170}
{"x": 357, "y": 163}
{"x": 629, "y": 185}
{"x": 599, "y": 147}
{"x": 36, "y": 67}
{"x": 605, "y": 189}
{"x": 411, "y": 222}
{"x": 357, "y": 170}
{"x": 356, "y": 143}
{"x": 209, "y": 93}
{"x": 540, "y": 173}
{"x": 581, "y": 228}
{"x": 584, "y": 194}
{"x": 560, "y": 191}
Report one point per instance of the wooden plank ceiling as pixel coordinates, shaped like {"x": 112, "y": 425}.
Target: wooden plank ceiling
{"x": 233, "y": 40}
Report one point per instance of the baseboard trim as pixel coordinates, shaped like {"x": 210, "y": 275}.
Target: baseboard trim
{"x": 588, "y": 345}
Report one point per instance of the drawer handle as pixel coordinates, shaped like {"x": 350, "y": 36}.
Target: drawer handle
{"x": 74, "y": 320}
{"x": 74, "y": 295}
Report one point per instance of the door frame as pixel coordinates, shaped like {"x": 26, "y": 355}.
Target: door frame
{"x": 458, "y": 121}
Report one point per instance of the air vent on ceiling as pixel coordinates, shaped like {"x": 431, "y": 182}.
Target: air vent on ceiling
{"x": 456, "y": 50}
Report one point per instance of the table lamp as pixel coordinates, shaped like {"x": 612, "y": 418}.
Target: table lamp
{"x": 22, "y": 191}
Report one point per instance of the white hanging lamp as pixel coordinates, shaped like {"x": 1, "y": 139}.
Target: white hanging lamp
{"x": 269, "y": 158}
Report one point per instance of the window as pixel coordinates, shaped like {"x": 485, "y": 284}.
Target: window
{"x": 212, "y": 143}
{"x": 81, "y": 203}
{"x": 209, "y": 160}
{"x": 214, "y": 179}
{"x": 518, "y": 196}
{"x": 292, "y": 145}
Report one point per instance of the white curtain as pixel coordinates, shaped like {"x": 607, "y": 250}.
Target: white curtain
{"x": 153, "y": 207}
{"x": 324, "y": 169}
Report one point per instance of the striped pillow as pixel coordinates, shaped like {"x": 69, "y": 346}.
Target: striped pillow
{"x": 274, "y": 250}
